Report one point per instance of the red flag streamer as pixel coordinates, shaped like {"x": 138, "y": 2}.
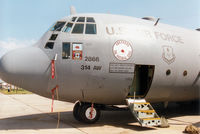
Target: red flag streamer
{"x": 53, "y": 69}
{"x": 52, "y": 91}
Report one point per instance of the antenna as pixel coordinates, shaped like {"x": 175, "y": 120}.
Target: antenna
{"x": 157, "y": 22}
{"x": 198, "y": 29}
{"x": 72, "y": 10}
{"x": 152, "y": 19}
{"x": 55, "y": 58}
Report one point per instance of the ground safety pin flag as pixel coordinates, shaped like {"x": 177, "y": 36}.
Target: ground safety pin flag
{"x": 52, "y": 69}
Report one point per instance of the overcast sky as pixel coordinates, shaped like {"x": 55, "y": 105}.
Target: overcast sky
{"x": 22, "y": 22}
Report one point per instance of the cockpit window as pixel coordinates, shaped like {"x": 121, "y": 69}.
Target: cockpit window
{"x": 90, "y": 29}
{"x": 78, "y": 28}
{"x": 53, "y": 37}
{"x": 49, "y": 45}
{"x": 73, "y": 19}
{"x": 90, "y": 19}
{"x": 68, "y": 27}
{"x": 58, "y": 26}
{"x": 81, "y": 25}
{"x": 81, "y": 19}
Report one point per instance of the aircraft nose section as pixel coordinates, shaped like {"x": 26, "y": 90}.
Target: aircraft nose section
{"x": 6, "y": 65}
{"x": 26, "y": 68}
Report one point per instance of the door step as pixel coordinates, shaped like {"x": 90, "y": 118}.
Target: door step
{"x": 143, "y": 112}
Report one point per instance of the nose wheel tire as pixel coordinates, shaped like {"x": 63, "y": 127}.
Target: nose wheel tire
{"x": 87, "y": 113}
{"x": 76, "y": 111}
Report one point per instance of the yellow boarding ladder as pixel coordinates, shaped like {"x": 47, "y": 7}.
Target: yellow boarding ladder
{"x": 143, "y": 112}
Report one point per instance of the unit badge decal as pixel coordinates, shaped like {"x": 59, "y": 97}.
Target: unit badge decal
{"x": 122, "y": 50}
{"x": 168, "y": 54}
{"x": 77, "y": 51}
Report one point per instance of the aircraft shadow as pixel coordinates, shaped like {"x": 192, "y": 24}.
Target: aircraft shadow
{"x": 49, "y": 121}
{"x": 123, "y": 119}
{"x": 179, "y": 110}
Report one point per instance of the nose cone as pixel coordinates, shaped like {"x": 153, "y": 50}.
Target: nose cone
{"x": 27, "y": 68}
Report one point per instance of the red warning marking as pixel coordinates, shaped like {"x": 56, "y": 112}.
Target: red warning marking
{"x": 122, "y": 50}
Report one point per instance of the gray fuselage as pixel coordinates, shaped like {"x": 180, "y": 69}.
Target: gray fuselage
{"x": 101, "y": 75}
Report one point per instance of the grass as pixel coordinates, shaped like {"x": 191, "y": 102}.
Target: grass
{"x": 14, "y": 91}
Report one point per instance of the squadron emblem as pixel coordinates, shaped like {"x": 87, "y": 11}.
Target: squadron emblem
{"x": 77, "y": 52}
{"x": 122, "y": 50}
{"x": 168, "y": 54}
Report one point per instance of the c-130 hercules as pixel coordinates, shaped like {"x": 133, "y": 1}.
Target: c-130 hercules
{"x": 98, "y": 60}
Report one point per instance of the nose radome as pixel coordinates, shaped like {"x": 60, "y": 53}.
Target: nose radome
{"x": 25, "y": 68}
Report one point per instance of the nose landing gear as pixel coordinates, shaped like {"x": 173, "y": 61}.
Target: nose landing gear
{"x": 86, "y": 112}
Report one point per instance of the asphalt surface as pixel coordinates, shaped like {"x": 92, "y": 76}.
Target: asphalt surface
{"x": 30, "y": 114}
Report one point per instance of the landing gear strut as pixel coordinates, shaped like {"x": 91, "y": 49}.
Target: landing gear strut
{"x": 86, "y": 112}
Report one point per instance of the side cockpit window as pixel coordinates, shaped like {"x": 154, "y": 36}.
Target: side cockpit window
{"x": 58, "y": 26}
{"x": 53, "y": 37}
{"x": 49, "y": 45}
{"x": 90, "y": 26}
{"x": 81, "y": 19}
{"x": 90, "y": 19}
{"x": 66, "y": 51}
{"x": 81, "y": 25}
{"x": 78, "y": 29}
{"x": 68, "y": 27}
{"x": 90, "y": 29}
{"x": 73, "y": 19}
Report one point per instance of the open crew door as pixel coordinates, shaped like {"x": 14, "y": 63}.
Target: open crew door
{"x": 143, "y": 76}
{"x": 142, "y": 110}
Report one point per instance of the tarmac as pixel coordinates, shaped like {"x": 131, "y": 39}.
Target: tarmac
{"x": 30, "y": 114}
